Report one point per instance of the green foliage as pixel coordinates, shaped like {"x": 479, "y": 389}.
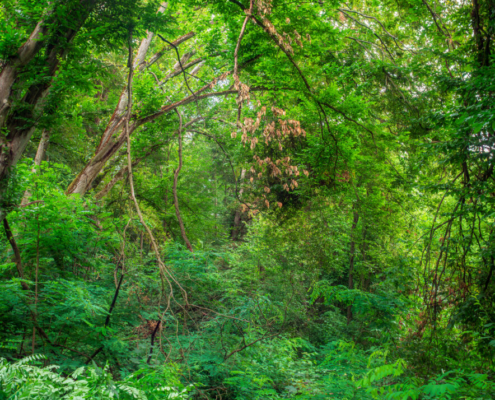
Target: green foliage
{"x": 337, "y": 190}
{"x": 23, "y": 380}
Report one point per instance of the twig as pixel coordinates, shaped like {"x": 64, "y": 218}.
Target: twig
{"x": 180, "y": 62}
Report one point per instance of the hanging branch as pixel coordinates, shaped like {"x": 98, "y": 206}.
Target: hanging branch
{"x": 164, "y": 271}
{"x": 436, "y": 20}
{"x": 109, "y": 315}
{"x": 394, "y": 38}
{"x": 180, "y": 62}
{"x": 374, "y": 34}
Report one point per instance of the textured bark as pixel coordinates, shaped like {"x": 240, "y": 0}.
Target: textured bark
{"x": 21, "y": 121}
{"x": 120, "y": 110}
{"x": 83, "y": 182}
{"x": 178, "y": 71}
{"x": 14, "y": 66}
{"x": 183, "y": 60}
{"x": 40, "y": 153}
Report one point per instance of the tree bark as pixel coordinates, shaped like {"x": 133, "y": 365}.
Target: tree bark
{"x": 20, "y": 122}
{"x": 83, "y": 182}
{"x": 11, "y": 70}
{"x": 108, "y": 146}
{"x": 40, "y": 153}
{"x": 121, "y": 108}
{"x": 155, "y": 57}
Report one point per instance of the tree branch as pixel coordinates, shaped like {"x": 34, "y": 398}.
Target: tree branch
{"x": 17, "y": 253}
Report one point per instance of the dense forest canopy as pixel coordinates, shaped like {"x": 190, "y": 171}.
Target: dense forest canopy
{"x": 235, "y": 199}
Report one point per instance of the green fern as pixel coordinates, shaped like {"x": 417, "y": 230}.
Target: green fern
{"x": 22, "y": 380}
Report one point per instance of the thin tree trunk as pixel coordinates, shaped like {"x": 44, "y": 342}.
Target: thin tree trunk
{"x": 121, "y": 108}
{"x": 17, "y": 253}
{"x": 82, "y": 183}
{"x": 36, "y": 281}
{"x": 238, "y": 212}
{"x": 155, "y": 57}
{"x": 40, "y": 153}
{"x": 165, "y": 274}
{"x": 105, "y": 150}
{"x": 351, "y": 261}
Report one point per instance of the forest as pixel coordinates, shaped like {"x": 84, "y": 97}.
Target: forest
{"x": 247, "y": 199}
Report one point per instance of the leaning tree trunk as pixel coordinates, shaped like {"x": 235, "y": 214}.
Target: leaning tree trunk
{"x": 109, "y": 145}
{"x": 20, "y": 122}
{"x": 10, "y": 72}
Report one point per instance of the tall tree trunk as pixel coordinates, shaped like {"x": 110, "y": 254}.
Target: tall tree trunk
{"x": 352, "y": 252}
{"x": 20, "y": 122}
{"x": 238, "y": 213}
{"x": 14, "y": 66}
{"x": 40, "y": 153}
